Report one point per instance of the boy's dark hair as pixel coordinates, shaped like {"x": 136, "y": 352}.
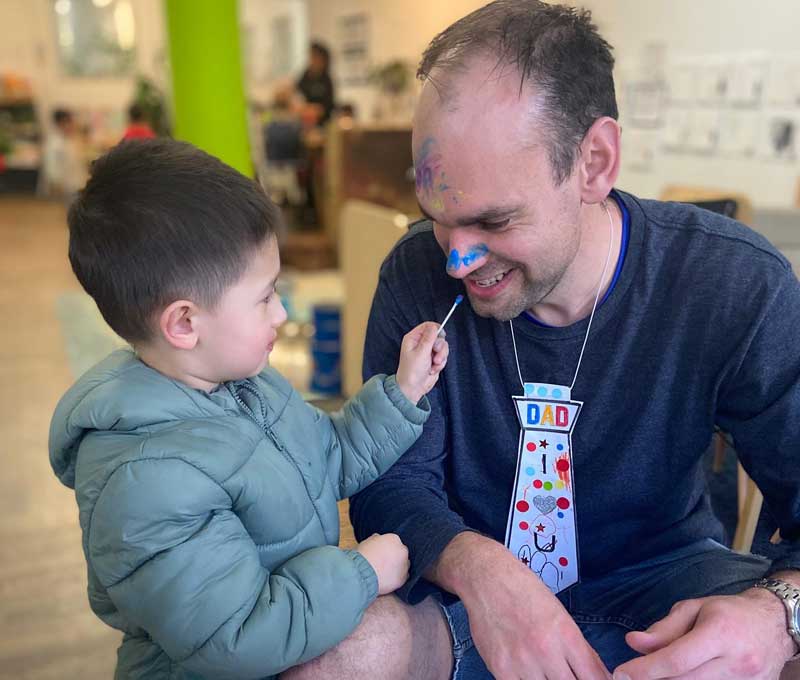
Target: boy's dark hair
{"x": 555, "y": 48}
{"x": 61, "y": 116}
{"x": 158, "y": 221}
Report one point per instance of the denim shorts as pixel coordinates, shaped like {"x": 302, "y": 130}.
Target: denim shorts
{"x": 628, "y": 599}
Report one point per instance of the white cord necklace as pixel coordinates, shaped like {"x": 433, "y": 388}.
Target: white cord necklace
{"x": 591, "y": 316}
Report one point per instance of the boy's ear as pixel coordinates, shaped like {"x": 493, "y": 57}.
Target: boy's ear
{"x": 178, "y": 324}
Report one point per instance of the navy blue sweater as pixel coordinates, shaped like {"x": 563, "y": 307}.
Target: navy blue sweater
{"x": 701, "y": 328}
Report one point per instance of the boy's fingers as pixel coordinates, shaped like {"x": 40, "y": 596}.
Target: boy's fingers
{"x": 430, "y": 332}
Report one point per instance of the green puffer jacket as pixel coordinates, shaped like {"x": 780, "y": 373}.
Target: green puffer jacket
{"x": 209, "y": 520}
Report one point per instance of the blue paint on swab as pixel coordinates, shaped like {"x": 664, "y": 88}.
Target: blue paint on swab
{"x": 450, "y": 313}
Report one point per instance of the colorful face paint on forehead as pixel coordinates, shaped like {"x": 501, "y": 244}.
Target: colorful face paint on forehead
{"x": 430, "y": 178}
{"x": 477, "y": 252}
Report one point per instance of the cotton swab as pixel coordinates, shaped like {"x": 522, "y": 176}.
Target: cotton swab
{"x": 450, "y": 313}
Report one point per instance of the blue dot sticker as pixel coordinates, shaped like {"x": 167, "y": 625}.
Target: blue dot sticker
{"x": 560, "y": 447}
{"x": 561, "y": 515}
{"x": 530, "y": 471}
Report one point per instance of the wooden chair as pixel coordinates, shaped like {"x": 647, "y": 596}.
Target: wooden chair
{"x": 367, "y": 232}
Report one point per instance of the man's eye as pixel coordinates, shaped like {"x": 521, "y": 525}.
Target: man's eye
{"x": 494, "y": 226}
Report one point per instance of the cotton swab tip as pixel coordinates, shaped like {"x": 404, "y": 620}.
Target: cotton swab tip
{"x": 450, "y": 313}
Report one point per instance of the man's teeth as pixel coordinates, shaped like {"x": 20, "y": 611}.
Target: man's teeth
{"x": 490, "y": 282}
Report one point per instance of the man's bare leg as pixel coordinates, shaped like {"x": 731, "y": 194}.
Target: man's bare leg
{"x": 394, "y": 641}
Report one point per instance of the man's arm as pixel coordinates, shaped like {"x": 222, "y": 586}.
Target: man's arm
{"x": 516, "y": 622}
{"x": 505, "y": 600}
{"x": 759, "y": 404}
{"x": 745, "y": 635}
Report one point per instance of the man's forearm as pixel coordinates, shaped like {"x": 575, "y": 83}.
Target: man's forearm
{"x": 465, "y": 562}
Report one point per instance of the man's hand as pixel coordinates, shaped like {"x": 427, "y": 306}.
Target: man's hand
{"x": 519, "y": 627}
{"x": 733, "y": 636}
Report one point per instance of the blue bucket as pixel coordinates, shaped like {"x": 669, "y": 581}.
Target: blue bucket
{"x": 326, "y": 353}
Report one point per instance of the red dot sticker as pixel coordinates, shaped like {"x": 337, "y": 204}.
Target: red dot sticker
{"x": 537, "y": 483}
{"x": 562, "y": 465}
{"x": 563, "y": 561}
{"x": 523, "y": 506}
{"x": 562, "y": 503}
{"x": 531, "y": 446}
{"x": 523, "y": 526}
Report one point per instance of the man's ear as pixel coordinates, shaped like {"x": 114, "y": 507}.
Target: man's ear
{"x": 599, "y": 160}
{"x": 178, "y": 324}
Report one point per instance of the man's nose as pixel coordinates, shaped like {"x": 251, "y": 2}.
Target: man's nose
{"x": 467, "y": 253}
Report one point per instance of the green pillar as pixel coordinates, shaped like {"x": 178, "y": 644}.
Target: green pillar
{"x": 208, "y": 94}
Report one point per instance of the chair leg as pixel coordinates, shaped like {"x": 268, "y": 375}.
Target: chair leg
{"x": 750, "y": 503}
{"x": 719, "y": 452}
{"x": 742, "y": 489}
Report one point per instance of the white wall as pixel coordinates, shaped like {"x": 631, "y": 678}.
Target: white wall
{"x": 398, "y": 29}
{"x": 28, "y": 48}
{"x": 694, "y": 28}
{"x": 258, "y": 19}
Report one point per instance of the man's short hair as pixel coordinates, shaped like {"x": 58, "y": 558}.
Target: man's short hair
{"x": 158, "y": 221}
{"x": 556, "y": 49}
{"x": 135, "y": 113}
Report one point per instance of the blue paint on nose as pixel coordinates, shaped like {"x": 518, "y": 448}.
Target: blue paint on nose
{"x": 454, "y": 261}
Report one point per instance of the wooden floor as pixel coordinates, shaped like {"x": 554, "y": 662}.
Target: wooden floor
{"x": 47, "y": 630}
{"x": 46, "y": 627}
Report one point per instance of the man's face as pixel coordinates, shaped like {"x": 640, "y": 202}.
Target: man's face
{"x": 483, "y": 175}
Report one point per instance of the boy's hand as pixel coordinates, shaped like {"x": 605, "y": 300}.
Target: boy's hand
{"x": 423, "y": 355}
{"x": 389, "y": 558}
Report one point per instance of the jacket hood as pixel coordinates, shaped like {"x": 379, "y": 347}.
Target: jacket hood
{"x": 122, "y": 394}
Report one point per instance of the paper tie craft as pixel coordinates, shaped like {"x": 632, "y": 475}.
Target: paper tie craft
{"x": 541, "y": 530}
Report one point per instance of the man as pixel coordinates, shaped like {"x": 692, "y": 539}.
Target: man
{"x": 662, "y": 320}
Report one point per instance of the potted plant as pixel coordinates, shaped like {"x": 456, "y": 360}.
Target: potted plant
{"x": 393, "y": 81}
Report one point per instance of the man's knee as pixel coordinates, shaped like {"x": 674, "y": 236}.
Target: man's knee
{"x": 393, "y": 639}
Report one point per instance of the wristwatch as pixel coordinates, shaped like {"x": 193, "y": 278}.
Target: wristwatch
{"x": 790, "y": 596}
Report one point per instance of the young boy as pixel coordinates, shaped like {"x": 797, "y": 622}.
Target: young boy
{"x": 206, "y": 486}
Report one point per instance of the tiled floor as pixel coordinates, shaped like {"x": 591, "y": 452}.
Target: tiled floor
{"x": 47, "y": 630}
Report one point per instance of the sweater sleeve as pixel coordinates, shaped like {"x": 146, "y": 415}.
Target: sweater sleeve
{"x": 410, "y": 499}
{"x": 369, "y": 433}
{"x": 177, "y": 561}
{"x": 759, "y": 405}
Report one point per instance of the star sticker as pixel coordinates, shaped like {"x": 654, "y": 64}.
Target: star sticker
{"x": 543, "y": 443}
{"x": 524, "y": 561}
{"x": 540, "y": 528}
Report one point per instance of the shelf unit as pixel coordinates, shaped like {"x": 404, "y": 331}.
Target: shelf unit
{"x": 20, "y": 121}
